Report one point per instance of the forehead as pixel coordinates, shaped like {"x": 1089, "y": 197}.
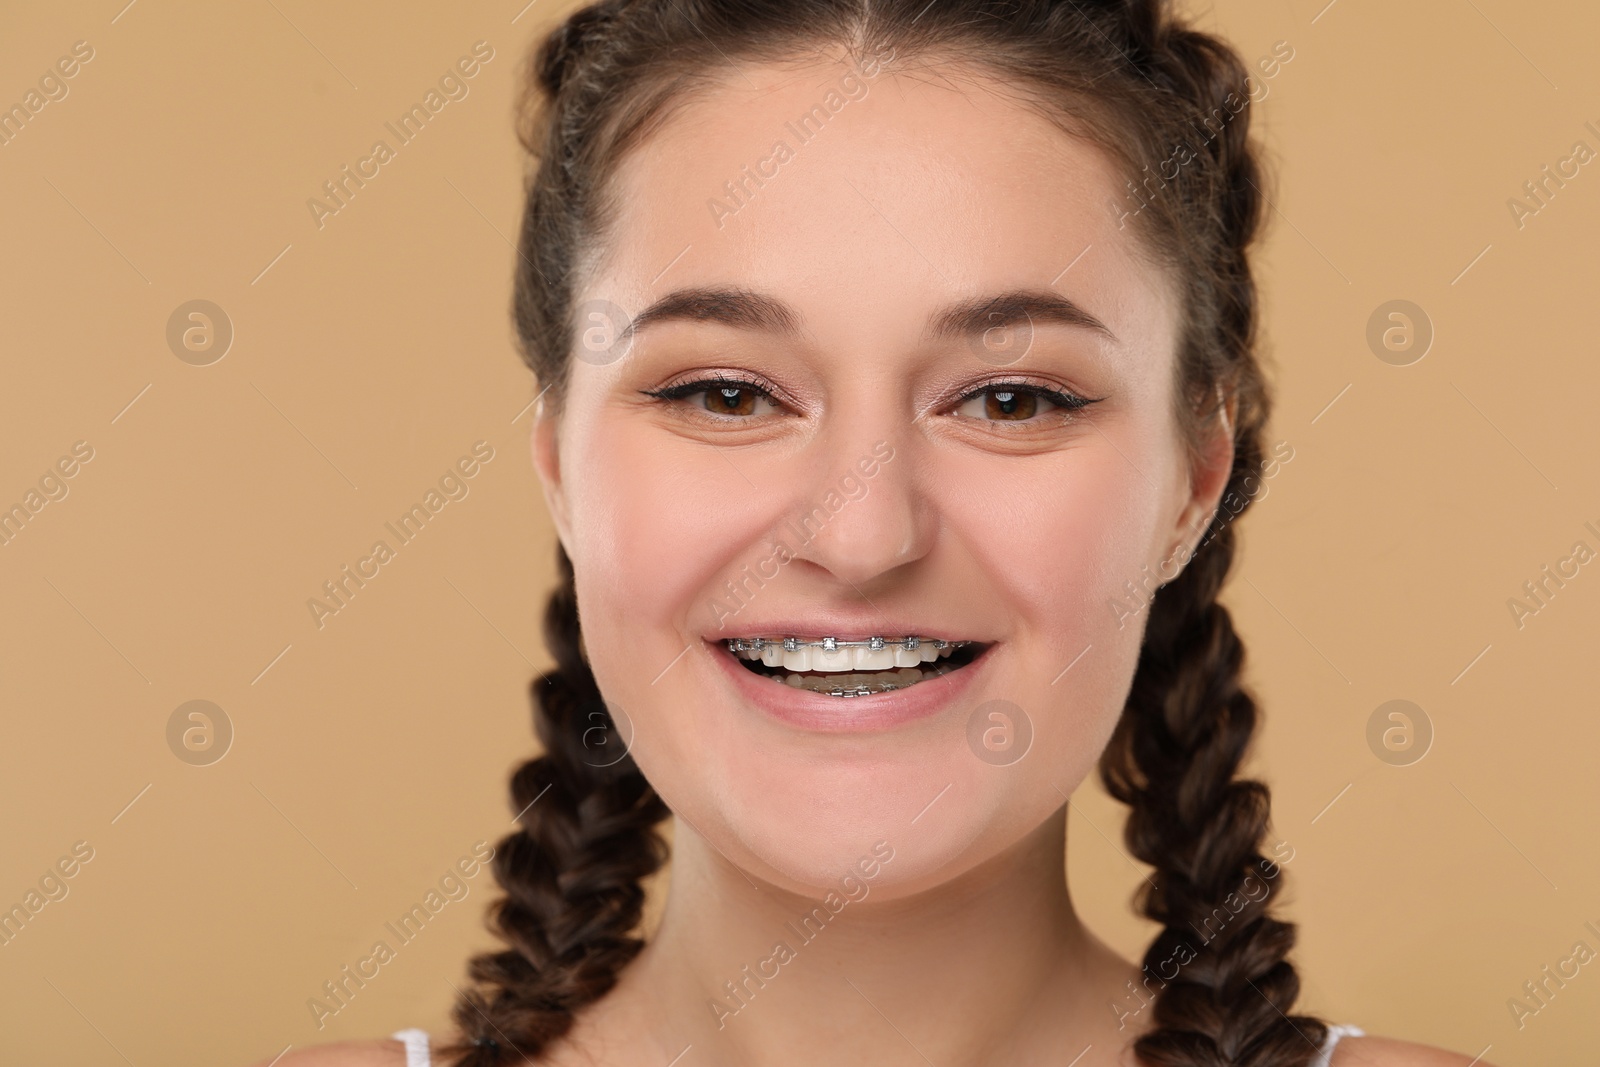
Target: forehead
{"x": 870, "y": 198}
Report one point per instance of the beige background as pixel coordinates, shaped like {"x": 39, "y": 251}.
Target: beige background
{"x": 370, "y": 754}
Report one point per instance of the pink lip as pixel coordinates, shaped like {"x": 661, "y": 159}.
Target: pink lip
{"x": 826, "y": 714}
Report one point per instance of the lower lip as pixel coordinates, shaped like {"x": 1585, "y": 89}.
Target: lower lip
{"x": 828, "y": 714}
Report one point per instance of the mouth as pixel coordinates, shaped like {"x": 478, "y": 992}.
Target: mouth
{"x": 852, "y": 668}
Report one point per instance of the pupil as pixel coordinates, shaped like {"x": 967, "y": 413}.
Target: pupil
{"x": 733, "y": 400}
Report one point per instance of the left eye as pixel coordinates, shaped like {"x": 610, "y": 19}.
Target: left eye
{"x": 722, "y": 396}
{"x": 736, "y": 398}
{"x": 1015, "y": 403}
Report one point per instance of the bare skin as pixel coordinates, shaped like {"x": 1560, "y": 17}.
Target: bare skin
{"x": 964, "y": 949}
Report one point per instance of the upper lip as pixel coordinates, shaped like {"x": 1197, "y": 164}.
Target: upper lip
{"x": 843, "y": 627}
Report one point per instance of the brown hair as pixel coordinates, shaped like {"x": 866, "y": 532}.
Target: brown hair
{"x": 1170, "y": 106}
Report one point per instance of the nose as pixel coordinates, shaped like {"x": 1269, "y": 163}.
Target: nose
{"x": 862, "y": 515}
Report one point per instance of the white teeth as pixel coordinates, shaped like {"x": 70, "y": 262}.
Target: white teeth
{"x": 842, "y": 657}
{"x": 848, "y": 668}
{"x": 868, "y": 660}
{"x": 838, "y": 659}
{"x": 858, "y": 658}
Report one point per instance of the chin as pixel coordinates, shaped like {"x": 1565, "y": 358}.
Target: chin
{"x": 804, "y": 805}
{"x": 805, "y": 857}
{"x": 797, "y": 787}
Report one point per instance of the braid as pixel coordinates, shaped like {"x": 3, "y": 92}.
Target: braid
{"x": 1173, "y": 759}
{"x": 1188, "y": 721}
{"x": 571, "y": 875}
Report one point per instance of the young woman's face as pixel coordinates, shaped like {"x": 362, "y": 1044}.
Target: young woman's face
{"x": 904, "y": 288}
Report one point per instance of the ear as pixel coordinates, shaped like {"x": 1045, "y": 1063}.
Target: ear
{"x": 547, "y": 463}
{"x": 1208, "y": 479}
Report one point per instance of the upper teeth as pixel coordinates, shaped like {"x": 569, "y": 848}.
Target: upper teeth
{"x": 831, "y": 654}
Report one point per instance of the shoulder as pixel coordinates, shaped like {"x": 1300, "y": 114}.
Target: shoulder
{"x": 383, "y": 1053}
{"x": 1374, "y": 1051}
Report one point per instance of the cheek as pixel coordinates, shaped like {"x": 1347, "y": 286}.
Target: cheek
{"x": 1058, "y": 548}
{"x": 655, "y": 522}
{"x": 1059, "y": 539}
{"x": 659, "y": 526}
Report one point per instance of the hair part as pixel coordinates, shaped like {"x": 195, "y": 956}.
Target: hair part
{"x": 1145, "y": 87}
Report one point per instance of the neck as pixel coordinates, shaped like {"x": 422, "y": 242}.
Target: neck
{"x": 995, "y": 961}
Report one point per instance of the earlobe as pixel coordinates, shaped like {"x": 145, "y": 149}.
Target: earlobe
{"x": 1209, "y": 481}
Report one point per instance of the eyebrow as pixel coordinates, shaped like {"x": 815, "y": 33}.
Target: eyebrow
{"x": 741, "y": 308}
{"x": 750, "y": 310}
{"x": 1032, "y": 306}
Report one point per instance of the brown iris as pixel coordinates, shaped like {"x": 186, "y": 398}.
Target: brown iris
{"x": 731, "y": 400}
{"x": 1009, "y": 404}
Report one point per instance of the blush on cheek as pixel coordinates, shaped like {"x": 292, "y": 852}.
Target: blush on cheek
{"x": 1058, "y": 555}
{"x": 1057, "y": 559}
{"x": 649, "y": 533}
{"x": 658, "y": 521}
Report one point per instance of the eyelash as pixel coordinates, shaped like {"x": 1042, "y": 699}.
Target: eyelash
{"x": 1068, "y": 402}
{"x": 704, "y": 385}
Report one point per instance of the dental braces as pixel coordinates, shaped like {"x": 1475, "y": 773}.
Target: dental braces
{"x": 859, "y": 691}
{"x": 832, "y": 644}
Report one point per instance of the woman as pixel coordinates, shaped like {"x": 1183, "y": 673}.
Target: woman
{"x": 898, "y": 399}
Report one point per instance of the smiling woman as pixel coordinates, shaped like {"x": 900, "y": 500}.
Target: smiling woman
{"x": 1066, "y": 393}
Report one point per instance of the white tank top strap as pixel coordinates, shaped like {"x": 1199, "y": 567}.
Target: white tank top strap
{"x": 416, "y": 1042}
{"x": 1335, "y": 1032}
